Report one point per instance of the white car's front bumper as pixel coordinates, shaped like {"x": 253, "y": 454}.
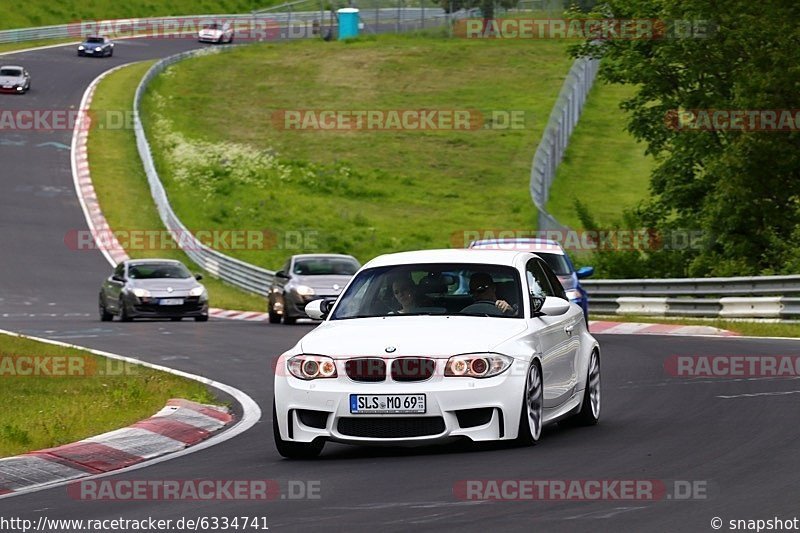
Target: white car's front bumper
{"x": 307, "y": 410}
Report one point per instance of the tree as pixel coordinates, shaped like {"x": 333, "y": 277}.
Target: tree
{"x": 741, "y": 188}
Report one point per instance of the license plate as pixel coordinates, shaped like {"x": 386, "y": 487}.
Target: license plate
{"x": 387, "y": 404}
{"x": 7, "y": 86}
{"x": 171, "y": 301}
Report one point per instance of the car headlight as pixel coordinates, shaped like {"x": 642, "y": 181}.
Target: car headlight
{"x": 197, "y": 291}
{"x": 304, "y": 290}
{"x": 574, "y": 294}
{"x": 479, "y": 365}
{"x": 141, "y": 293}
{"x": 81, "y": 47}
{"x": 97, "y": 49}
{"x": 309, "y": 367}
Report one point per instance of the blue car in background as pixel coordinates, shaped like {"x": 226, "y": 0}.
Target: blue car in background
{"x": 555, "y": 256}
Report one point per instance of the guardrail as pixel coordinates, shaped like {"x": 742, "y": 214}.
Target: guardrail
{"x": 243, "y": 275}
{"x": 563, "y": 119}
{"x": 234, "y": 271}
{"x": 741, "y": 297}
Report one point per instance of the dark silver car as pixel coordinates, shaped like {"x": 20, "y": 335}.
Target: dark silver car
{"x": 308, "y": 277}
{"x": 96, "y": 46}
{"x": 153, "y": 288}
{"x": 14, "y": 79}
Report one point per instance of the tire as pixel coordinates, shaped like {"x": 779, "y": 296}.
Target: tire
{"x": 203, "y": 318}
{"x": 589, "y": 414}
{"x": 530, "y": 418}
{"x": 123, "y": 312}
{"x": 175, "y": 318}
{"x": 111, "y": 53}
{"x": 289, "y": 320}
{"x": 274, "y": 318}
{"x": 294, "y": 450}
{"x": 105, "y": 316}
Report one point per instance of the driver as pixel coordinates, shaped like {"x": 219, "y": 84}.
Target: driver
{"x": 482, "y": 288}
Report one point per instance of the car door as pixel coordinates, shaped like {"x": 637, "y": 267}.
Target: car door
{"x": 572, "y": 321}
{"x": 113, "y": 287}
{"x": 557, "y": 364}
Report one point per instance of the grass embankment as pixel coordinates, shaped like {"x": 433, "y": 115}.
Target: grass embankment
{"x": 33, "y": 13}
{"x": 754, "y": 329}
{"x": 121, "y": 184}
{"x": 83, "y": 394}
{"x": 604, "y": 167}
{"x": 227, "y": 165}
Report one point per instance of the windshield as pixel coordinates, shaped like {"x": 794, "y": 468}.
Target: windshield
{"x": 325, "y": 266}
{"x": 557, "y": 262}
{"x": 213, "y": 26}
{"x": 158, "y": 271}
{"x": 432, "y": 289}
{"x": 10, "y": 72}
{"x": 94, "y": 40}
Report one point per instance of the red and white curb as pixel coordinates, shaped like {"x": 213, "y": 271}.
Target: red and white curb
{"x": 637, "y": 328}
{"x": 251, "y": 316}
{"x": 179, "y": 425}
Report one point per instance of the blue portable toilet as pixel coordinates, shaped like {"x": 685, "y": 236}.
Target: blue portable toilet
{"x": 348, "y": 22}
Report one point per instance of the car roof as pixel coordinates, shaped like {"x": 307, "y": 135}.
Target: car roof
{"x": 12, "y": 66}
{"x": 151, "y": 261}
{"x": 449, "y": 255}
{"x": 521, "y": 244}
{"x": 323, "y": 256}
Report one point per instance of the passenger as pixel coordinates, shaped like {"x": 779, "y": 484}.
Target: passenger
{"x": 482, "y": 288}
{"x": 405, "y": 292}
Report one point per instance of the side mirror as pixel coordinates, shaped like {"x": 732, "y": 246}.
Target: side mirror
{"x": 198, "y": 277}
{"x": 554, "y": 306}
{"x": 118, "y": 278}
{"x": 281, "y": 274}
{"x": 584, "y": 272}
{"x": 318, "y": 309}
{"x": 536, "y": 305}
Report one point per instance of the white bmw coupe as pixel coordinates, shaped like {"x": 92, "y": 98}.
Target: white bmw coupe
{"x": 435, "y": 345}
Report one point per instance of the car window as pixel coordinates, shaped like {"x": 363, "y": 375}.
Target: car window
{"x": 95, "y": 40}
{"x": 538, "y": 282}
{"x": 558, "y": 288}
{"x": 120, "y": 270}
{"x": 432, "y": 289}
{"x": 325, "y": 266}
{"x": 558, "y": 263}
{"x": 158, "y": 271}
{"x": 10, "y": 72}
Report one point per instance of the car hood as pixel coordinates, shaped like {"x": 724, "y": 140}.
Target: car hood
{"x": 160, "y": 284}
{"x": 11, "y": 80}
{"x": 437, "y": 336}
{"x": 211, "y": 32}
{"x": 322, "y": 283}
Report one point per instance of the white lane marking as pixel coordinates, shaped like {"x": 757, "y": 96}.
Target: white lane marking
{"x": 755, "y": 394}
{"x": 251, "y": 412}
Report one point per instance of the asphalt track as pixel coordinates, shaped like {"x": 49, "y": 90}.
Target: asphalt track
{"x": 653, "y": 426}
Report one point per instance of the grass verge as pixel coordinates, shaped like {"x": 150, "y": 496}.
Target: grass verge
{"x": 604, "y": 167}
{"x": 219, "y": 143}
{"x": 11, "y": 47}
{"x": 751, "y": 329}
{"x": 95, "y": 396}
{"x": 121, "y": 184}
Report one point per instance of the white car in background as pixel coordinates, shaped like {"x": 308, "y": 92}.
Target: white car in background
{"x": 490, "y": 349}
{"x": 216, "y": 32}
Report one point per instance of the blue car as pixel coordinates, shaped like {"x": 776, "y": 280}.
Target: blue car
{"x": 555, "y": 256}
